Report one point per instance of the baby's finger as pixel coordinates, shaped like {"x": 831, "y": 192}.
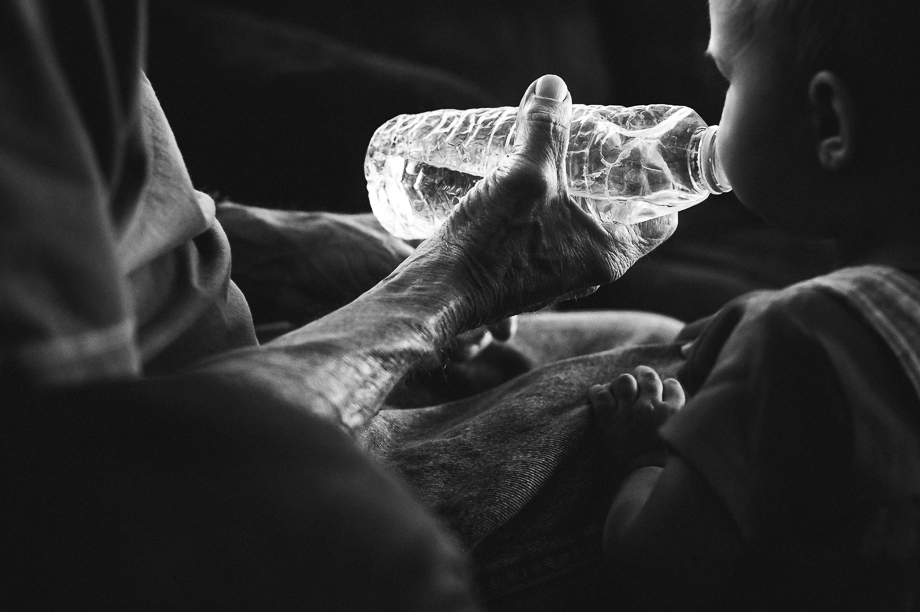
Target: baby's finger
{"x": 650, "y": 387}
{"x": 673, "y": 394}
{"x": 603, "y": 404}
{"x": 599, "y": 394}
{"x": 625, "y": 389}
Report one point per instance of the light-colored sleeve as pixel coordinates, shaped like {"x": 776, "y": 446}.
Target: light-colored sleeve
{"x": 67, "y": 120}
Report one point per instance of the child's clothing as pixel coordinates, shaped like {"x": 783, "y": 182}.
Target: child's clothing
{"x": 804, "y": 417}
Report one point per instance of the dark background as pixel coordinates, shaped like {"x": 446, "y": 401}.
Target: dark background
{"x": 273, "y": 103}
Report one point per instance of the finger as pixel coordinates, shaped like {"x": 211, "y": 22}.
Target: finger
{"x": 572, "y": 295}
{"x": 469, "y": 344}
{"x": 628, "y": 243}
{"x": 625, "y": 389}
{"x": 504, "y": 330}
{"x": 646, "y": 235}
{"x": 650, "y": 386}
{"x": 673, "y": 394}
{"x": 603, "y": 404}
{"x": 657, "y": 229}
{"x": 542, "y": 128}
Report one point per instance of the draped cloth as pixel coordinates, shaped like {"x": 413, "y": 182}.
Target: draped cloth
{"x": 514, "y": 472}
{"x": 107, "y": 253}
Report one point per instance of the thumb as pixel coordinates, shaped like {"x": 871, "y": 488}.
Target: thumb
{"x": 543, "y": 122}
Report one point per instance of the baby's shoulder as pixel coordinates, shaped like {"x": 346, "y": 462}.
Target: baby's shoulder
{"x": 805, "y": 306}
{"x": 882, "y": 299}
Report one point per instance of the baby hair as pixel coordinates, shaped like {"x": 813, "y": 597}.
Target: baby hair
{"x": 869, "y": 43}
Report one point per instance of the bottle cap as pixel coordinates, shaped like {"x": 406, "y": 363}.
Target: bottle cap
{"x": 711, "y": 166}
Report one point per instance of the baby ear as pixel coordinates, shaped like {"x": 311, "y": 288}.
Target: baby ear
{"x": 834, "y": 120}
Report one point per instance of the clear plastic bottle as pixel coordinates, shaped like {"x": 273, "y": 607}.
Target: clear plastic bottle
{"x": 624, "y": 165}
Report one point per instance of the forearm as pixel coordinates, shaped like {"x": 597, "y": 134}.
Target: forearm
{"x": 344, "y": 365}
{"x": 669, "y": 542}
{"x": 628, "y": 502}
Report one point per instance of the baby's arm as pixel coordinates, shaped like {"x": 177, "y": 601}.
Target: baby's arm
{"x": 629, "y": 412}
{"x": 668, "y": 542}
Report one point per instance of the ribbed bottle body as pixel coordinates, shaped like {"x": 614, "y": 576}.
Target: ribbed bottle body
{"x": 623, "y": 164}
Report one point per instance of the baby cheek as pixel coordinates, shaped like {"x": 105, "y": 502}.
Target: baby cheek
{"x": 729, "y": 148}
{"x": 741, "y": 169}
{"x": 740, "y": 147}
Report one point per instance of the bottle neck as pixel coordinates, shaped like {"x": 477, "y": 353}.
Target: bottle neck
{"x": 706, "y": 171}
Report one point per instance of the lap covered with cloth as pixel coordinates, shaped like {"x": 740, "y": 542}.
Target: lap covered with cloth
{"x": 813, "y": 453}
{"x": 515, "y": 473}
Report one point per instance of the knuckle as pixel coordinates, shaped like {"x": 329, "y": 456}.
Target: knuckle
{"x": 546, "y": 132}
{"x": 550, "y": 115}
{"x": 525, "y": 178}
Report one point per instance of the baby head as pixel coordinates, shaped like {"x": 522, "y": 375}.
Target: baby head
{"x": 816, "y": 90}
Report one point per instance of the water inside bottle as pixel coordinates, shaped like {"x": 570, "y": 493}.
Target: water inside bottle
{"x": 412, "y": 198}
{"x": 624, "y": 165}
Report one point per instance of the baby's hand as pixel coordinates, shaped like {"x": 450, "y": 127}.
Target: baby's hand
{"x": 629, "y": 412}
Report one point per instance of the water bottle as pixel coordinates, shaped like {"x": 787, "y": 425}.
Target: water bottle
{"x": 624, "y": 165}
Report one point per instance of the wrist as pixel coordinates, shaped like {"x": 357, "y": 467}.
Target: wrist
{"x": 416, "y": 311}
{"x": 436, "y": 277}
{"x": 628, "y": 500}
{"x": 651, "y": 459}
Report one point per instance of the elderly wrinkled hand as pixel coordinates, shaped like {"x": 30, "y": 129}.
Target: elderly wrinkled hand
{"x": 517, "y": 241}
